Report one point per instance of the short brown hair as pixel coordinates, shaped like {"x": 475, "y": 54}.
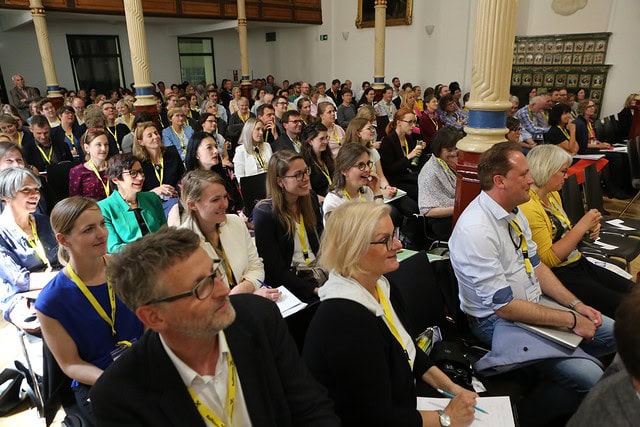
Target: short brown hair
{"x": 495, "y": 161}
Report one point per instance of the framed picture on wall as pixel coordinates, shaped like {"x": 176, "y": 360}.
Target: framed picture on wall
{"x": 399, "y": 12}
{"x": 568, "y": 47}
{"x": 578, "y": 46}
{"x": 577, "y": 59}
{"x": 598, "y": 58}
{"x": 557, "y": 59}
{"x": 585, "y": 80}
{"x": 587, "y": 59}
{"x": 596, "y": 94}
{"x": 548, "y": 58}
{"x": 598, "y": 80}
{"x": 549, "y": 79}
{"x": 589, "y": 46}
{"x": 572, "y": 80}
{"x": 516, "y": 79}
{"x": 537, "y": 79}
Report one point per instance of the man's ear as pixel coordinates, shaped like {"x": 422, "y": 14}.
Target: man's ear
{"x": 152, "y": 317}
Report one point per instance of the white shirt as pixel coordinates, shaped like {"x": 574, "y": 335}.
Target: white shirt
{"x": 341, "y": 287}
{"x": 246, "y": 164}
{"x": 212, "y": 390}
{"x": 298, "y": 257}
{"x": 490, "y": 271}
{"x": 334, "y": 199}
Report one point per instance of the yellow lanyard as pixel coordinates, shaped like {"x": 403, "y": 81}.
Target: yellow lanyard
{"x": 564, "y": 132}
{"x": 523, "y": 245}
{"x": 47, "y": 158}
{"x": 229, "y": 271}
{"x": 206, "y": 412}
{"x": 349, "y": 197}
{"x": 446, "y": 166}
{"x": 243, "y": 118}
{"x": 303, "y": 241}
{"x": 336, "y": 137}
{"x": 19, "y": 139}
{"x": 70, "y": 138}
{"x": 405, "y": 145}
{"x": 388, "y": 107}
{"x": 386, "y": 308}
{"x": 259, "y": 158}
{"x": 180, "y": 137}
{"x": 435, "y": 123}
{"x": 545, "y": 115}
{"x": 325, "y": 171}
{"x": 159, "y": 174}
{"x": 104, "y": 185}
{"x": 558, "y": 212}
{"x": 265, "y": 136}
{"x": 592, "y": 134}
{"x": 36, "y": 244}
{"x": 114, "y": 134}
{"x": 111, "y": 321}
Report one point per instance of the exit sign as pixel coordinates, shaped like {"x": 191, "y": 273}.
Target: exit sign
{"x": 324, "y": 37}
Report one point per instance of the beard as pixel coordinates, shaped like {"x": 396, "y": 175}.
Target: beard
{"x": 207, "y": 325}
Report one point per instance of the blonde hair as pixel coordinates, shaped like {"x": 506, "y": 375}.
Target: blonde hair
{"x": 124, "y": 102}
{"x": 64, "y": 216}
{"x": 544, "y": 161}
{"x": 246, "y": 135}
{"x": 193, "y": 184}
{"x": 347, "y": 236}
{"x": 139, "y": 151}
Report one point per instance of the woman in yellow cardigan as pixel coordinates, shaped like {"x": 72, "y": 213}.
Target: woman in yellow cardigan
{"x": 557, "y": 239}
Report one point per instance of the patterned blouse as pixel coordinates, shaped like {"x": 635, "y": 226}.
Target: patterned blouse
{"x": 85, "y": 182}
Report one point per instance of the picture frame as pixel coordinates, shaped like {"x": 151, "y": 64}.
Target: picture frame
{"x": 399, "y": 12}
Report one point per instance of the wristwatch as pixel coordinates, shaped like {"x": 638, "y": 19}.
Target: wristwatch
{"x": 445, "y": 421}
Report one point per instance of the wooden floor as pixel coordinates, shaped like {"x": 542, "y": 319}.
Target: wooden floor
{"x": 28, "y": 417}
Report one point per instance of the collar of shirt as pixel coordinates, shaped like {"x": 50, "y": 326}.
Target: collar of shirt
{"x": 338, "y": 286}
{"x": 188, "y": 375}
{"x": 494, "y": 208}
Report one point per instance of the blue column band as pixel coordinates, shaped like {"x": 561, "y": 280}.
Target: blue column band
{"x": 53, "y": 88}
{"x": 245, "y": 78}
{"x": 140, "y": 91}
{"x": 378, "y": 79}
{"x": 480, "y": 119}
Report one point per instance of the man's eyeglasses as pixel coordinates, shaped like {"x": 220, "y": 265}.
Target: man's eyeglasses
{"x": 364, "y": 165}
{"x": 295, "y": 122}
{"x": 389, "y": 240}
{"x": 516, "y": 130}
{"x": 201, "y": 290}
{"x": 299, "y": 176}
{"x": 134, "y": 172}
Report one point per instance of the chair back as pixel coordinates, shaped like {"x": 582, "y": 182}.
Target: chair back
{"x": 254, "y": 188}
{"x": 58, "y": 182}
{"x": 593, "y": 188}
{"x": 572, "y": 199}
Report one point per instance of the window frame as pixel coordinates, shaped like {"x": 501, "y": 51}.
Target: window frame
{"x": 118, "y": 56}
{"x": 213, "y": 59}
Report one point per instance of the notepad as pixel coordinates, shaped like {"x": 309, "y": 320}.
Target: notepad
{"x": 399, "y": 193}
{"x": 499, "y": 410}
{"x": 288, "y": 303}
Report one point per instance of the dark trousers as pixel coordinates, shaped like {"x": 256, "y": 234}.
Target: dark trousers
{"x": 595, "y": 286}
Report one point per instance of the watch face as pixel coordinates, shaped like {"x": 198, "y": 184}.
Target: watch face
{"x": 445, "y": 421}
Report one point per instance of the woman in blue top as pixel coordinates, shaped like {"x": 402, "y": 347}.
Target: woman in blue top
{"x": 27, "y": 244}
{"x": 84, "y": 324}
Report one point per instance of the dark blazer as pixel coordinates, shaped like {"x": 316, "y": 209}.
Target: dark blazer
{"x": 143, "y": 388}
{"x": 33, "y": 94}
{"x": 115, "y": 145}
{"x": 392, "y": 157}
{"x": 58, "y": 135}
{"x": 33, "y": 157}
{"x": 283, "y": 143}
{"x": 173, "y": 170}
{"x": 373, "y": 385}
{"x": 276, "y": 248}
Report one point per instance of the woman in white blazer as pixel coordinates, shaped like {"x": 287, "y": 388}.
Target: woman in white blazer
{"x": 224, "y": 237}
{"x": 252, "y": 154}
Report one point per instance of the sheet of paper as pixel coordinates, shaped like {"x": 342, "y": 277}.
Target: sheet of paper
{"x": 620, "y": 149}
{"x": 399, "y": 193}
{"x": 498, "y": 408}
{"x": 403, "y": 254}
{"x": 589, "y": 156}
{"x": 618, "y": 223}
{"x": 39, "y": 279}
{"x": 611, "y": 267}
{"x": 288, "y": 303}
{"x": 605, "y": 246}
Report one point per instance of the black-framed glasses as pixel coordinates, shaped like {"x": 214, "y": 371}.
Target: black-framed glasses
{"x": 295, "y": 122}
{"x": 201, "y": 290}
{"x": 389, "y": 240}
{"x": 134, "y": 172}
{"x": 364, "y": 165}
{"x": 299, "y": 176}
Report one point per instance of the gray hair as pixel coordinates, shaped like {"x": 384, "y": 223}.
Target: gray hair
{"x": 136, "y": 272}
{"x": 536, "y": 99}
{"x": 544, "y": 161}
{"x": 514, "y": 99}
{"x": 11, "y": 179}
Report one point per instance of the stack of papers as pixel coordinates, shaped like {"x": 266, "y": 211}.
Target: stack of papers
{"x": 288, "y": 303}
{"x": 498, "y": 408}
{"x": 619, "y": 224}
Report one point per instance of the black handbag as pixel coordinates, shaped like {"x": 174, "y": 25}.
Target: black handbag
{"x": 312, "y": 273}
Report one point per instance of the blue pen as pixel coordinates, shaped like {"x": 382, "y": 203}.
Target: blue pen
{"x": 451, "y": 396}
{"x": 263, "y": 285}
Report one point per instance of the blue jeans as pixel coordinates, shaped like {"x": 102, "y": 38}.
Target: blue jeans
{"x": 576, "y": 374}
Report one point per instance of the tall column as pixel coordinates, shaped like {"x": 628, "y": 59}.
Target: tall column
{"x": 145, "y": 99}
{"x": 245, "y": 85}
{"x": 42, "y": 34}
{"x": 378, "y": 54}
{"x": 489, "y": 98}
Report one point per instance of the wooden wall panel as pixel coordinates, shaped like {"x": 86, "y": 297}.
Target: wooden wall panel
{"x": 310, "y": 16}
{"x": 276, "y": 13}
{"x": 303, "y": 11}
{"x": 201, "y": 8}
